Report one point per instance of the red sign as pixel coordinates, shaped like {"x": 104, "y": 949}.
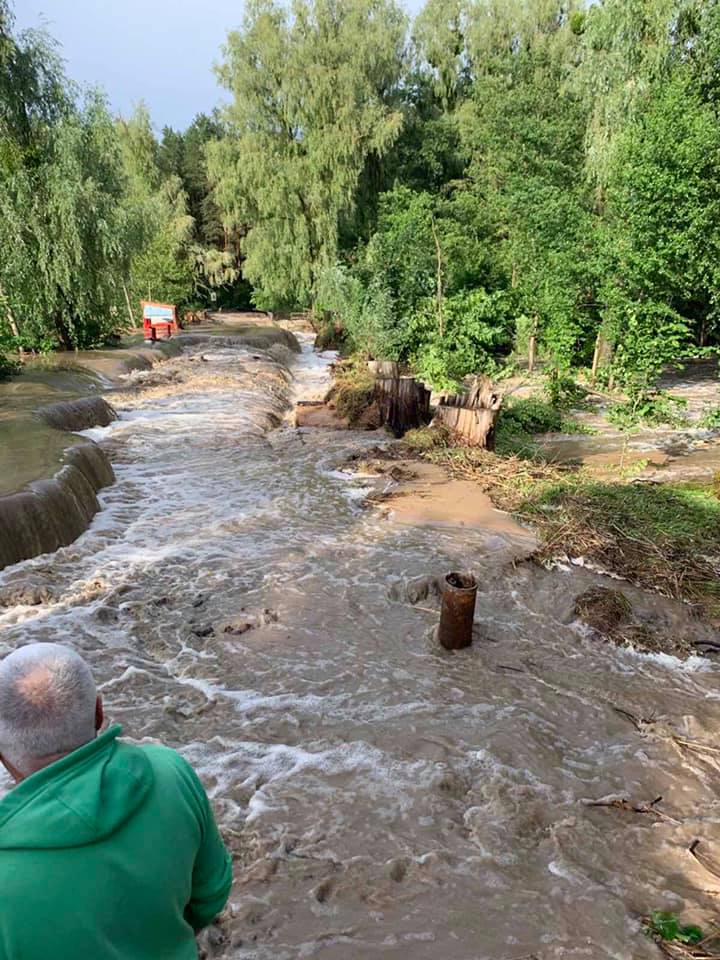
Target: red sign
{"x": 159, "y": 320}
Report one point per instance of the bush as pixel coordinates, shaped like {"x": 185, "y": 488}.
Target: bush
{"x": 531, "y": 416}
{"x": 563, "y": 392}
{"x": 8, "y": 367}
{"x": 652, "y": 407}
{"x": 711, "y": 420}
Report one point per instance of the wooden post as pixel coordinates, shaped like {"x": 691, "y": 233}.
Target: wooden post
{"x": 532, "y": 349}
{"x": 403, "y": 403}
{"x": 385, "y": 369}
{"x": 473, "y": 417}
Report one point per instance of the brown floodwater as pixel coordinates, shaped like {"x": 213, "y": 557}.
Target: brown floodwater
{"x": 383, "y": 797}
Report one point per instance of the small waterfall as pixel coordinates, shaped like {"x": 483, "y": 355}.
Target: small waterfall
{"x": 52, "y": 513}
{"x": 79, "y": 414}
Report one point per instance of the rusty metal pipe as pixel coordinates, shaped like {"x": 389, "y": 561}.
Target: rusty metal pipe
{"x": 457, "y": 611}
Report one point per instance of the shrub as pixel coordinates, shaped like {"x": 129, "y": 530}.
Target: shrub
{"x": 8, "y": 367}
{"x": 653, "y": 407}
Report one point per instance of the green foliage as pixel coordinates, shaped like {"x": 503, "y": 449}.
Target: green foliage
{"x": 516, "y": 178}
{"x": 475, "y": 333}
{"x": 63, "y": 234}
{"x": 312, "y": 103}
{"x": 654, "y": 408}
{"x": 364, "y": 313}
{"x": 520, "y": 420}
{"x": 711, "y": 419}
{"x": 564, "y": 392}
{"x": 667, "y": 926}
{"x": 662, "y": 245}
{"x": 8, "y": 367}
{"x": 531, "y": 416}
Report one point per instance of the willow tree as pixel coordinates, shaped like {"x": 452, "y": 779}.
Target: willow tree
{"x": 314, "y": 100}
{"x": 629, "y": 46}
{"x": 162, "y": 265}
{"x": 62, "y": 231}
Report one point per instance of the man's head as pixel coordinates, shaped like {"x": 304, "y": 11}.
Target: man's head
{"x": 48, "y": 706}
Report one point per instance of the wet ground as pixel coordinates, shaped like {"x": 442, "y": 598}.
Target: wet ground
{"x": 687, "y": 452}
{"x": 383, "y": 798}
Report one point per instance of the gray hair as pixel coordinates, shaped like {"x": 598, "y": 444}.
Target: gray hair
{"x": 47, "y": 703}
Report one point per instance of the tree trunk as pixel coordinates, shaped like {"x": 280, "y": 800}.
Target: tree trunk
{"x": 12, "y": 322}
{"x": 129, "y": 308}
{"x": 532, "y": 350}
{"x": 403, "y": 403}
{"x": 385, "y": 369}
{"x": 596, "y": 356}
{"x": 14, "y": 329}
{"x": 473, "y": 417}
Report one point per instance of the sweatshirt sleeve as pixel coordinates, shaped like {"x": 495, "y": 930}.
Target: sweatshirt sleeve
{"x": 212, "y": 873}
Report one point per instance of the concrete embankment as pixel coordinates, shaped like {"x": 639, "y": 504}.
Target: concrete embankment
{"x": 49, "y": 479}
{"x": 51, "y": 513}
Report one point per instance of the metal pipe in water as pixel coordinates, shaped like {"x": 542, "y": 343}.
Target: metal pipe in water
{"x": 457, "y": 611}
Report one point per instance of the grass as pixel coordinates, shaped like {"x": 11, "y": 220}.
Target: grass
{"x": 681, "y": 941}
{"x": 664, "y": 538}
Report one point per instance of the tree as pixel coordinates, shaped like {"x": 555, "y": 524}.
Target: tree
{"x": 62, "y": 230}
{"x": 661, "y": 288}
{"x": 313, "y": 100}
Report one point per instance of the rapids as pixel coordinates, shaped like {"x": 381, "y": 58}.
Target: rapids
{"x": 383, "y": 798}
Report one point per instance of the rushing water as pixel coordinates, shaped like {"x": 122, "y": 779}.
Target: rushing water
{"x": 383, "y": 797}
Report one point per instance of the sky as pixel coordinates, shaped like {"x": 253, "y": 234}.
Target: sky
{"x": 159, "y": 51}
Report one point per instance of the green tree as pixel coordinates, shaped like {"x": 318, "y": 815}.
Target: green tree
{"x": 63, "y": 230}
{"x": 314, "y": 98}
{"x": 661, "y": 286}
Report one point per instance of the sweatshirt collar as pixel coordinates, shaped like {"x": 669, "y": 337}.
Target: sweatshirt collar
{"x": 36, "y": 782}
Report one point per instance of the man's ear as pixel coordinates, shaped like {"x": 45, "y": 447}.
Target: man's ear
{"x": 99, "y": 713}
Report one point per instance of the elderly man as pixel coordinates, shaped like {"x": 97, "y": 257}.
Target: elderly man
{"x": 107, "y": 850}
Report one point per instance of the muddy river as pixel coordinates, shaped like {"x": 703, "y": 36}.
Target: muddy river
{"x": 383, "y": 798}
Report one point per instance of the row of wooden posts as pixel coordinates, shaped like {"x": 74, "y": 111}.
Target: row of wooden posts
{"x": 404, "y": 404}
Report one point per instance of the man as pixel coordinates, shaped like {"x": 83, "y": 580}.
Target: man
{"x": 107, "y": 850}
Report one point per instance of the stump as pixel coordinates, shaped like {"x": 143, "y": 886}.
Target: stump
{"x": 472, "y": 416}
{"x": 403, "y": 403}
{"x": 384, "y": 369}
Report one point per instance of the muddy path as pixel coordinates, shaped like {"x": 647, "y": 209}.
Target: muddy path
{"x": 383, "y": 798}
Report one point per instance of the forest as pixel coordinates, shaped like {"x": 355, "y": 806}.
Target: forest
{"x": 496, "y": 182}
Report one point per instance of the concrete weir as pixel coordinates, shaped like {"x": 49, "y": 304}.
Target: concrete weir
{"x": 49, "y": 479}
{"x": 79, "y": 414}
{"x": 51, "y": 513}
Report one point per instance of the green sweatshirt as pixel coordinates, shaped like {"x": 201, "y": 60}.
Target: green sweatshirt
{"x": 111, "y": 853}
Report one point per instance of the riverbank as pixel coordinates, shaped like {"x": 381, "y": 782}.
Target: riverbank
{"x": 635, "y": 513}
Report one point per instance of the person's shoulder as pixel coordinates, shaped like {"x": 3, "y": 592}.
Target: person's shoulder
{"x": 168, "y": 762}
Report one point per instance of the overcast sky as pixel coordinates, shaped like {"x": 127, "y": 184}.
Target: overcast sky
{"x": 161, "y": 51}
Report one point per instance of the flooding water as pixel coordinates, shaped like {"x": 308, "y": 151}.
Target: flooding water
{"x": 382, "y": 797}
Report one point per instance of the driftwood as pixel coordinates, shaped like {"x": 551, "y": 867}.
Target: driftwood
{"x": 472, "y": 415}
{"x": 403, "y": 403}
